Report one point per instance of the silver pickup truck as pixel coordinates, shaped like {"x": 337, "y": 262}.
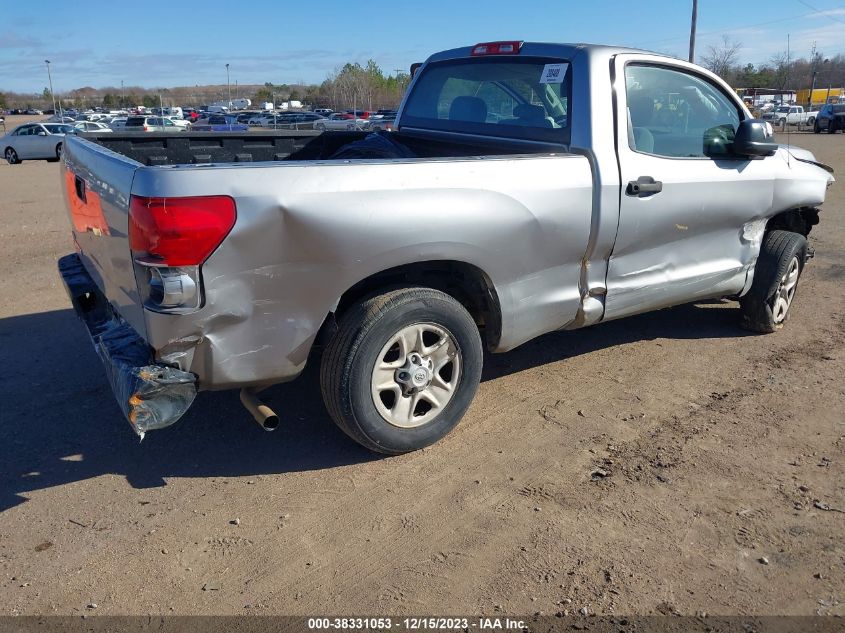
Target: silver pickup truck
{"x": 526, "y": 188}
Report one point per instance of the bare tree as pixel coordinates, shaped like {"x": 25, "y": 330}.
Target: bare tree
{"x": 721, "y": 59}
{"x": 780, "y": 64}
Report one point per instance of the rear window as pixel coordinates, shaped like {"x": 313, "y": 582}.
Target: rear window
{"x": 526, "y": 98}
{"x": 134, "y": 121}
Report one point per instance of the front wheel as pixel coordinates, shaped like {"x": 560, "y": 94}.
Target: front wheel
{"x": 765, "y": 307}
{"x": 816, "y": 128}
{"x": 402, "y": 369}
{"x": 811, "y": 120}
{"x": 12, "y": 156}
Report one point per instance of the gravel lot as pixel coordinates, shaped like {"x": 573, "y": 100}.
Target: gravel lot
{"x": 724, "y": 453}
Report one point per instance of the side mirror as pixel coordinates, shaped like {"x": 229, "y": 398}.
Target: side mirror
{"x": 42, "y": 133}
{"x": 754, "y": 138}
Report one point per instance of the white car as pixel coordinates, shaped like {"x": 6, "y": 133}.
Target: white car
{"x": 340, "y": 121}
{"x": 118, "y": 123}
{"x": 92, "y": 126}
{"x": 178, "y": 121}
{"x": 35, "y": 141}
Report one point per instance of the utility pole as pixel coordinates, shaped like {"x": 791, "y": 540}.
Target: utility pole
{"x": 122, "y": 96}
{"x": 228, "y": 89}
{"x": 50, "y": 78}
{"x": 692, "y": 31}
{"x": 815, "y": 58}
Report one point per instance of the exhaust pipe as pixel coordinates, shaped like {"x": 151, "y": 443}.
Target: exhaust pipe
{"x": 264, "y": 415}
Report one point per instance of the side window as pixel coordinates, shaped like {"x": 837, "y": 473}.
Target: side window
{"x": 24, "y": 131}
{"x": 677, "y": 114}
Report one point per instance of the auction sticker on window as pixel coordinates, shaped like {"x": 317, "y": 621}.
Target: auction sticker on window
{"x": 553, "y": 73}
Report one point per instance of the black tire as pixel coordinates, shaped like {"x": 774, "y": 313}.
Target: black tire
{"x": 350, "y": 358}
{"x": 816, "y": 128}
{"x": 831, "y": 128}
{"x": 759, "y": 305}
{"x": 811, "y": 120}
{"x": 59, "y": 151}
{"x": 782, "y": 122}
{"x": 11, "y": 156}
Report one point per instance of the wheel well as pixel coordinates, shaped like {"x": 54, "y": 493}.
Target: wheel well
{"x": 466, "y": 283}
{"x": 796, "y": 220}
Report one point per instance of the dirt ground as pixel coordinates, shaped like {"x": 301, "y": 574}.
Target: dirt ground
{"x": 723, "y": 454}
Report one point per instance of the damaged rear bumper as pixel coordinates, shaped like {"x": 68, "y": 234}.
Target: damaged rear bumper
{"x": 151, "y": 396}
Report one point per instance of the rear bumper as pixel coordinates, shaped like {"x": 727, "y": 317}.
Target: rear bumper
{"x": 151, "y": 396}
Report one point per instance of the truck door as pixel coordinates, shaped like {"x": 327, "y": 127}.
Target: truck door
{"x": 688, "y": 208}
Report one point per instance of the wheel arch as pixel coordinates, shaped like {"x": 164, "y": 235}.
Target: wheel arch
{"x": 466, "y": 283}
{"x": 800, "y": 220}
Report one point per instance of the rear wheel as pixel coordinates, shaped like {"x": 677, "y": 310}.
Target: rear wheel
{"x": 816, "y": 128}
{"x": 11, "y": 156}
{"x": 402, "y": 369}
{"x": 765, "y": 307}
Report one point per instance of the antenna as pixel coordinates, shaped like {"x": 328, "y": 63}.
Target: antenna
{"x": 788, "y": 64}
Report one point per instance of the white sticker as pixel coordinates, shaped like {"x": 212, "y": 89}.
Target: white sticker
{"x": 553, "y": 73}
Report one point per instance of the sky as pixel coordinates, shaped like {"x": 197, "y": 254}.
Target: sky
{"x": 157, "y": 44}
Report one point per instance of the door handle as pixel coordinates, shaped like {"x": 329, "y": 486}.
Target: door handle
{"x": 644, "y": 186}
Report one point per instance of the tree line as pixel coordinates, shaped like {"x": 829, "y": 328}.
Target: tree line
{"x": 779, "y": 72}
{"x": 351, "y": 85}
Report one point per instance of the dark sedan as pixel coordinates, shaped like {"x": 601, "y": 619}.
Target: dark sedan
{"x": 830, "y": 118}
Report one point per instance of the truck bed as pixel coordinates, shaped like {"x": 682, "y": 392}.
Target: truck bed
{"x": 194, "y": 148}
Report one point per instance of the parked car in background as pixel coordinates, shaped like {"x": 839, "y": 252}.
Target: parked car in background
{"x": 35, "y": 141}
{"x": 178, "y": 122}
{"x": 150, "y": 124}
{"x": 261, "y": 118}
{"x": 295, "y": 121}
{"x": 61, "y": 119}
{"x": 92, "y": 126}
{"x": 324, "y": 111}
{"x": 340, "y": 121}
{"x": 830, "y": 118}
{"x": 34, "y": 111}
{"x": 789, "y": 115}
{"x": 219, "y": 123}
{"x": 382, "y": 120}
{"x": 118, "y": 123}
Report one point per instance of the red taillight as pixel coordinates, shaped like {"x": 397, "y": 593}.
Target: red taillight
{"x": 497, "y": 48}
{"x": 179, "y": 231}
{"x": 146, "y": 129}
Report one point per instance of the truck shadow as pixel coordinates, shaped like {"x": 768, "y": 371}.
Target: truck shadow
{"x": 59, "y": 422}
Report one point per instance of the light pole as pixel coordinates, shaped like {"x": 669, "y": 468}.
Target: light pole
{"x": 228, "y": 89}
{"x": 50, "y": 78}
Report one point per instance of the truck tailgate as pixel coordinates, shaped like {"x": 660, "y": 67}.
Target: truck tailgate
{"x": 96, "y": 184}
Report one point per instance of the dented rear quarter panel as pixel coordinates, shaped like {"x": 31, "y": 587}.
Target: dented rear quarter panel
{"x": 307, "y": 232}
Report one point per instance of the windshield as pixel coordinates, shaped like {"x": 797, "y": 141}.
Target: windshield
{"x": 512, "y": 97}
